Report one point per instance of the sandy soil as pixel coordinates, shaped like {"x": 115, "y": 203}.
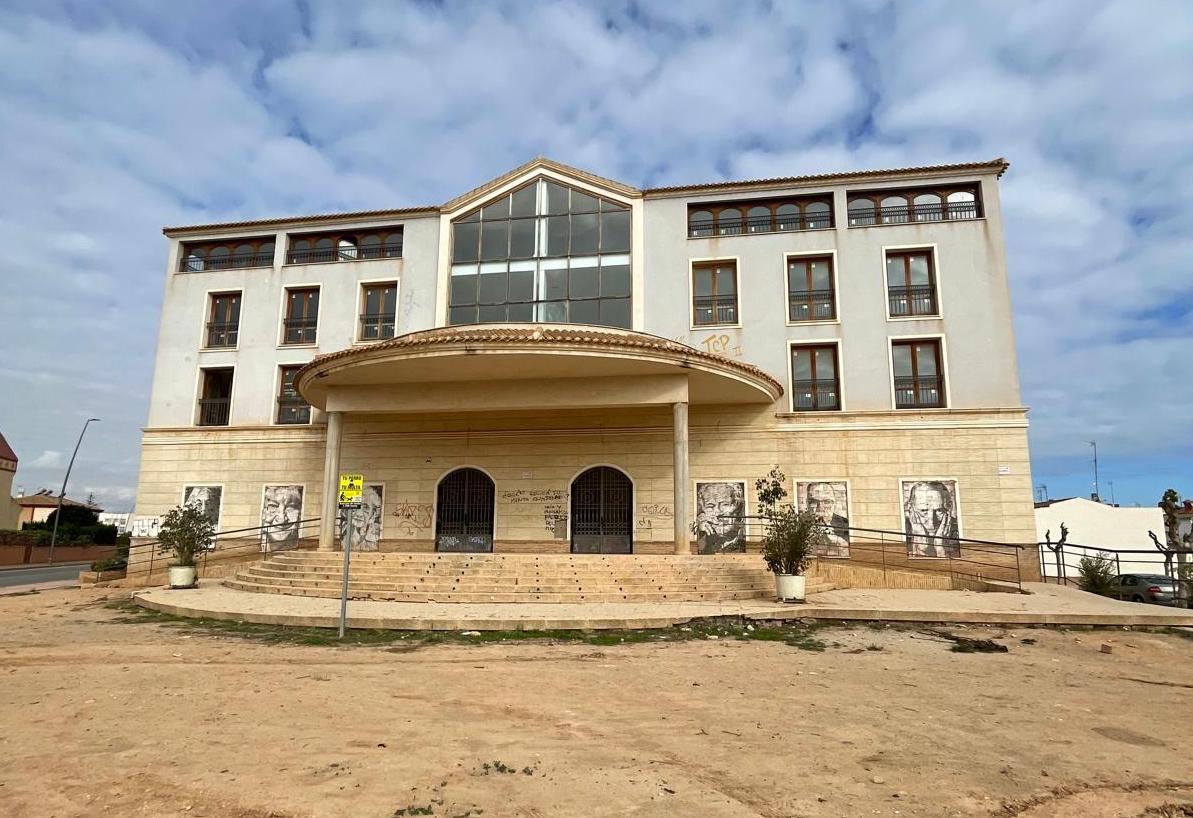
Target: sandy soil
{"x": 102, "y": 717}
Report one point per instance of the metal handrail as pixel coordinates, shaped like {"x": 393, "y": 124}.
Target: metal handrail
{"x": 214, "y": 411}
{"x": 373, "y": 323}
{"x": 933, "y": 212}
{"x": 259, "y": 545}
{"x": 925, "y": 392}
{"x": 222, "y": 333}
{"x": 917, "y": 300}
{"x": 195, "y": 264}
{"x": 373, "y": 251}
{"x": 715, "y": 309}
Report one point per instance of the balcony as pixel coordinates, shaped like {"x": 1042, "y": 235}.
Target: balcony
{"x": 214, "y": 411}
{"x": 293, "y": 409}
{"x": 819, "y": 394}
{"x": 194, "y": 263}
{"x": 344, "y": 253}
{"x": 222, "y": 334}
{"x": 924, "y": 392}
{"x": 811, "y": 305}
{"x": 905, "y": 302}
{"x": 376, "y": 326}
{"x": 299, "y": 330}
{"x": 907, "y": 214}
{"x": 713, "y": 310}
{"x": 707, "y": 228}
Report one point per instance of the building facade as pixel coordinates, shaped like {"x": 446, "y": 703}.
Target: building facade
{"x": 9, "y": 510}
{"x": 558, "y": 362}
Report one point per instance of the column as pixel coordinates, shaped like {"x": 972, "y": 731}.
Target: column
{"x": 331, "y": 481}
{"x": 679, "y": 458}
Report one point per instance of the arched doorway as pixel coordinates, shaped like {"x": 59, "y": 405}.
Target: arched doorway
{"x": 602, "y": 512}
{"x": 464, "y": 512}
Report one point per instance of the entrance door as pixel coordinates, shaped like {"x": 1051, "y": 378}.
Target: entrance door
{"x": 464, "y": 512}
{"x": 602, "y": 512}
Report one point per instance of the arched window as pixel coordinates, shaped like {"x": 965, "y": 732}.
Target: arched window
{"x": 787, "y": 217}
{"x": 220, "y": 258}
{"x": 370, "y": 246}
{"x": 242, "y": 256}
{"x": 324, "y": 250}
{"x": 264, "y": 255}
{"x": 347, "y": 248}
{"x": 927, "y": 207}
{"x": 194, "y": 261}
{"x": 729, "y": 222}
{"x": 700, "y": 224}
{"x": 758, "y": 220}
{"x": 861, "y": 212}
{"x": 464, "y": 511}
{"x": 817, "y": 216}
{"x": 894, "y": 210}
{"x": 962, "y": 205}
{"x": 393, "y": 245}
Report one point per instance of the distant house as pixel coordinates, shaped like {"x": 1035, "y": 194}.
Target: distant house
{"x": 1100, "y": 526}
{"x": 35, "y": 508}
{"x": 8, "y": 468}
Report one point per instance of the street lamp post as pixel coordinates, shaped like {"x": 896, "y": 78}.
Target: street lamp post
{"x": 61, "y": 494}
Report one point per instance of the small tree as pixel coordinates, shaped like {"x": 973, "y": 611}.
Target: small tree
{"x": 1096, "y": 575}
{"x": 185, "y": 531}
{"x": 792, "y": 537}
{"x": 771, "y": 492}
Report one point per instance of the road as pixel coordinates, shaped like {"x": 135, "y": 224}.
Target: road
{"x": 33, "y": 576}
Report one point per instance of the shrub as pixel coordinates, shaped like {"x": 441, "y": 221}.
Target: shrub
{"x": 116, "y": 562}
{"x": 185, "y": 531}
{"x": 1096, "y": 575}
{"x": 791, "y": 538}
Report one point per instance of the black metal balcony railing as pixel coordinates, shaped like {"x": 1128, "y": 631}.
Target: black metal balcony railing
{"x": 705, "y": 228}
{"x": 374, "y": 251}
{"x": 811, "y": 305}
{"x": 293, "y": 409}
{"x": 197, "y": 264}
{"x": 300, "y": 330}
{"x": 376, "y": 326}
{"x": 918, "y": 300}
{"x": 214, "y": 411}
{"x": 822, "y": 393}
{"x": 222, "y": 333}
{"x": 947, "y": 211}
{"x": 713, "y": 310}
{"x": 918, "y": 393}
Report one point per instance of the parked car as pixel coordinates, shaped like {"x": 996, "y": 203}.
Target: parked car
{"x": 1154, "y": 588}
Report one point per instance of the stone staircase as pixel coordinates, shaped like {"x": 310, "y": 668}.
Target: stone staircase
{"x": 562, "y": 578}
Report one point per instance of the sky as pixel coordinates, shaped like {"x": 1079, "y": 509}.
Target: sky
{"x": 117, "y": 118}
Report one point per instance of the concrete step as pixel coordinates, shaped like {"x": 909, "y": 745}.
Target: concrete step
{"x": 333, "y": 587}
{"x": 309, "y": 572}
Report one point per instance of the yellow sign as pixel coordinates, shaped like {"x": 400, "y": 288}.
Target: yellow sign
{"x": 351, "y": 488}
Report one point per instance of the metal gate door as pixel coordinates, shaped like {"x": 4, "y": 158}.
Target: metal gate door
{"x": 464, "y": 512}
{"x": 602, "y": 512}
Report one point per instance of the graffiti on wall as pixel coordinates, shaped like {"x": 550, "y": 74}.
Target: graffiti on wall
{"x": 648, "y": 513}
{"x": 721, "y": 345}
{"x": 522, "y": 496}
{"x": 555, "y": 519}
{"x": 413, "y": 517}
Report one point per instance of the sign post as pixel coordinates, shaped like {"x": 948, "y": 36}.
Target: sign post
{"x": 351, "y": 489}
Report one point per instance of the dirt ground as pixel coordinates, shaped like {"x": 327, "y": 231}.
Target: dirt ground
{"x": 102, "y": 714}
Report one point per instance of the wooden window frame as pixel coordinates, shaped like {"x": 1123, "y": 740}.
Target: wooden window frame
{"x": 257, "y": 257}
{"x": 391, "y": 245}
{"x": 946, "y": 213}
{"x": 289, "y": 402}
{"x": 812, "y": 346}
{"x": 906, "y": 253}
{"x": 807, "y": 259}
{"x": 365, "y": 286}
{"x": 287, "y": 317}
{"x": 714, "y": 264}
{"x": 744, "y": 206}
{"x": 204, "y": 404}
{"x": 209, "y": 329}
{"x": 937, "y": 343}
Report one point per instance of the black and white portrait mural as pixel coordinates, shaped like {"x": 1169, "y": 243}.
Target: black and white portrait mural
{"x": 828, "y": 500}
{"x": 930, "y": 518}
{"x": 207, "y": 499}
{"x": 720, "y": 516}
{"x": 361, "y": 527}
{"x": 281, "y": 510}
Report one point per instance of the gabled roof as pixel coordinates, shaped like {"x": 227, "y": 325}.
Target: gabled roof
{"x": 6, "y": 452}
{"x": 45, "y": 499}
{"x": 540, "y": 163}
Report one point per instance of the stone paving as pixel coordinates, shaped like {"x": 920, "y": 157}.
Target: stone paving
{"x": 1042, "y": 605}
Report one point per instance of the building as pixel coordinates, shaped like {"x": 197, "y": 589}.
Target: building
{"x": 9, "y": 510}
{"x": 1095, "y": 526}
{"x": 36, "y": 508}
{"x": 558, "y": 362}
{"x": 122, "y": 520}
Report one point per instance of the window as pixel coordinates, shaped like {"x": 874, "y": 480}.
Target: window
{"x": 292, "y": 407}
{"x": 223, "y": 255}
{"x": 810, "y": 292}
{"x": 223, "y": 320}
{"x": 215, "y": 399}
{"x": 759, "y": 216}
{"x": 914, "y": 205}
{"x": 815, "y": 383}
{"x": 545, "y": 252}
{"x": 360, "y": 245}
{"x": 380, "y": 303}
{"x": 919, "y": 379}
{"x": 302, "y": 315}
{"x": 910, "y": 283}
{"x": 714, "y": 293}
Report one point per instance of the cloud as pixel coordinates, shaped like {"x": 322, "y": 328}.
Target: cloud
{"x": 48, "y": 460}
{"x": 122, "y": 117}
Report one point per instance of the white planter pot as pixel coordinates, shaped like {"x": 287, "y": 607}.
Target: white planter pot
{"x": 182, "y": 576}
{"x": 789, "y": 586}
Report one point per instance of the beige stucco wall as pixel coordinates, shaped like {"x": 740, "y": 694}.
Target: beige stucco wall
{"x": 9, "y": 510}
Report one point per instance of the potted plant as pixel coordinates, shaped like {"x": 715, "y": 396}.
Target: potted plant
{"x": 790, "y": 539}
{"x": 185, "y": 531}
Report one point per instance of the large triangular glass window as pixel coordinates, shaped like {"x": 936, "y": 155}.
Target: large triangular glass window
{"x": 545, "y": 252}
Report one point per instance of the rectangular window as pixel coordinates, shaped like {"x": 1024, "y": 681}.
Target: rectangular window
{"x": 811, "y": 295}
{"x": 302, "y": 315}
{"x": 223, "y": 320}
{"x": 292, "y": 408}
{"x": 380, "y": 311}
{"x": 815, "y": 381}
{"x": 215, "y": 399}
{"x": 918, "y": 373}
{"x": 714, "y": 293}
{"x": 910, "y": 283}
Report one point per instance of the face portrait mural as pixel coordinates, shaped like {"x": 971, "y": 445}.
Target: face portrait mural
{"x": 361, "y": 527}
{"x": 930, "y": 518}
{"x": 205, "y": 498}
{"x": 828, "y": 500}
{"x": 720, "y": 517}
{"x": 281, "y": 510}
